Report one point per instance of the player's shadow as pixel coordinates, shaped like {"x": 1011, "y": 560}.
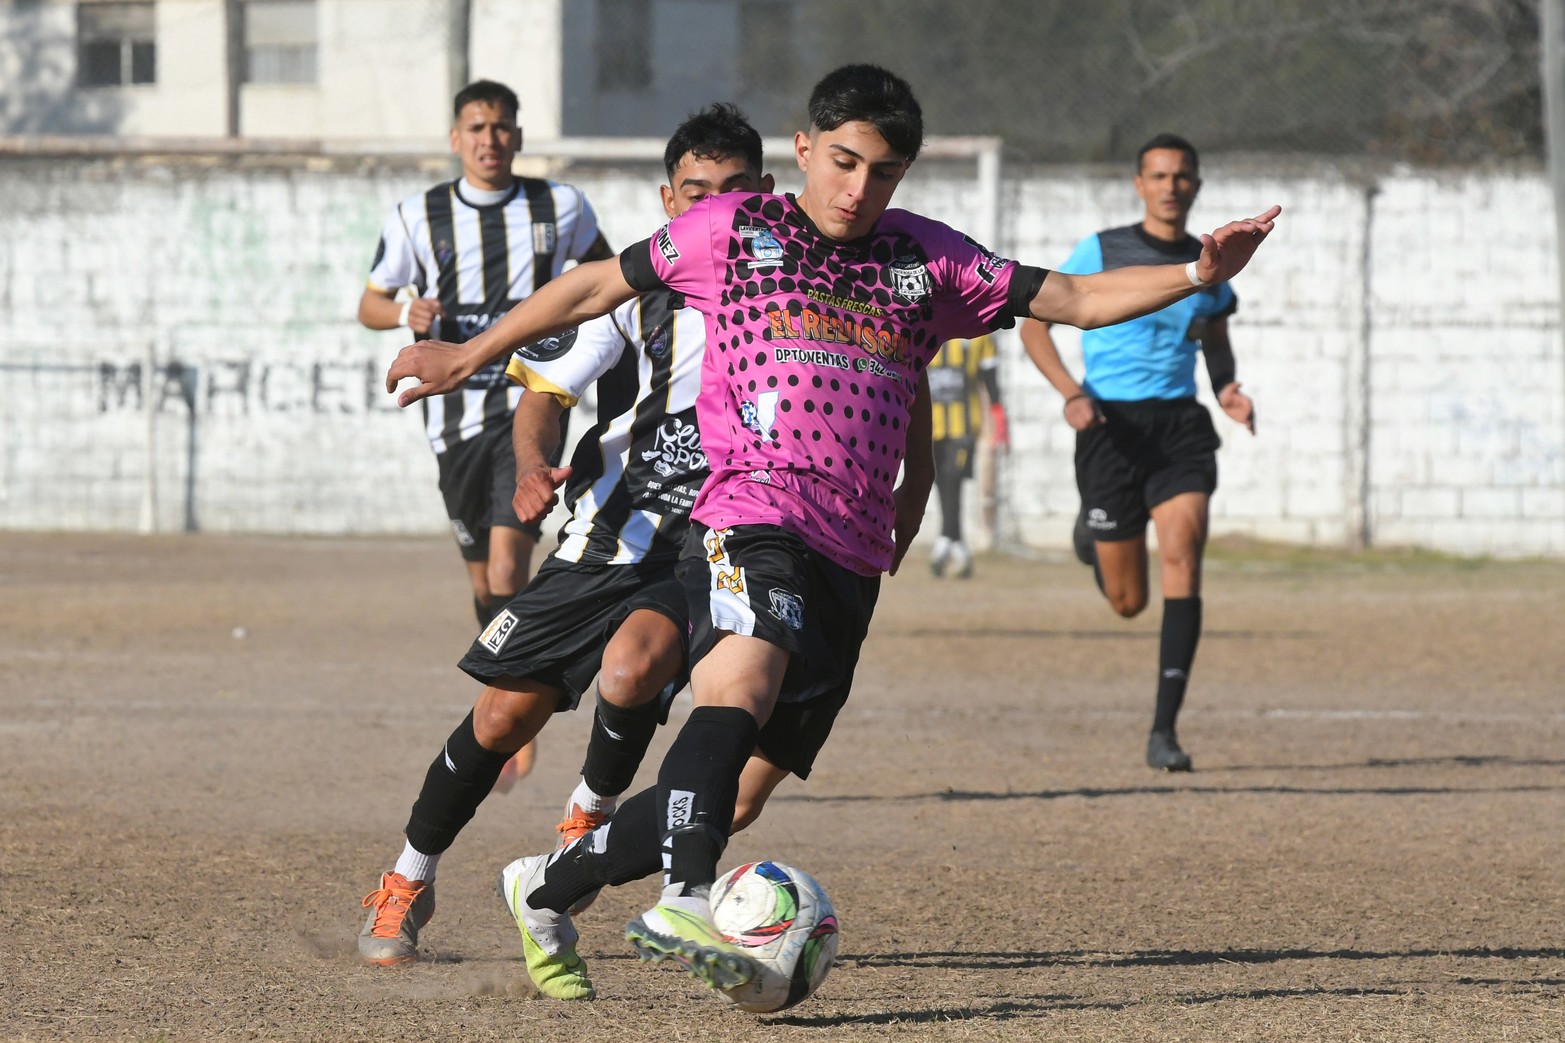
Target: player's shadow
{"x": 1097, "y": 634}
{"x": 1284, "y": 789}
{"x": 1040, "y": 1004}
{"x": 962, "y": 960}
{"x": 1449, "y": 761}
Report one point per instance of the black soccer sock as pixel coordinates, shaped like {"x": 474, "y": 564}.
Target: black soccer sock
{"x": 1176, "y": 652}
{"x": 631, "y": 850}
{"x": 458, "y": 780}
{"x": 697, "y": 788}
{"x": 490, "y": 607}
{"x": 620, "y": 737}
{"x": 948, "y": 483}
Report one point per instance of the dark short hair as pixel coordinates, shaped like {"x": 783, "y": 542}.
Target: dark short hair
{"x": 716, "y": 132}
{"x": 1169, "y": 141}
{"x": 870, "y": 94}
{"x": 489, "y": 91}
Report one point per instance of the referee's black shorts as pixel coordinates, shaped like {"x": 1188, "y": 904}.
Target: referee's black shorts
{"x": 1145, "y": 453}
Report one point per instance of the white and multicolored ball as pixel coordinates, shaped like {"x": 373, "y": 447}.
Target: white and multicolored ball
{"x": 783, "y": 920}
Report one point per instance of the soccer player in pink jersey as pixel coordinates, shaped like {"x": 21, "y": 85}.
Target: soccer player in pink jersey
{"x": 822, "y": 312}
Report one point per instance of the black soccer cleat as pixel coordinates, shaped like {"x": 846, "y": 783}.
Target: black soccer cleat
{"x": 1164, "y": 754}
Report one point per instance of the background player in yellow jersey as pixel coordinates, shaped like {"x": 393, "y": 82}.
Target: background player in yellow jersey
{"x": 962, "y": 376}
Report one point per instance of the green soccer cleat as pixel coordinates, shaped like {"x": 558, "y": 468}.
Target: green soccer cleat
{"x": 681, "y": 930}
{"x": 548, "y": 937}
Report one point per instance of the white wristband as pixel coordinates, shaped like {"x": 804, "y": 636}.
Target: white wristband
{"x": 407, "y": 306}
{"x": 1195, "y": 280}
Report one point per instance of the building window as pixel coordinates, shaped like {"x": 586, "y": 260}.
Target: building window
{"x": 279, "y": 41}
{"x": 116, "y": 44}
{"x": 624, "y": 45}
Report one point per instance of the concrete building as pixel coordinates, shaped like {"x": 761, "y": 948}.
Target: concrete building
{"x": 374, "y": 71}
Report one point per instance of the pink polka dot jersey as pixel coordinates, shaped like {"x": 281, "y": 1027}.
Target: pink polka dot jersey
{"x": 814, "y": 351}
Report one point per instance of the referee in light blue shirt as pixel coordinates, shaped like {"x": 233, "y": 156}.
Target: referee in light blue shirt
{"x": 1145, "y": 448}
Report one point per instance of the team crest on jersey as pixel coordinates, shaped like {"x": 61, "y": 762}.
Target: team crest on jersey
{"x": 666, "y": 246}
{"x": 789, "y": 608}
{"x": 499, "y": 629}
{"x": 444, "y": 254}
{"x": 657, "y": 342}
{"x": 548, "y": 349}
{"x": 910, "y": 279}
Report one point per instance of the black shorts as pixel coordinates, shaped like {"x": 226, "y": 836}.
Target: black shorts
{"x": 763, "y": 581}
{"x": 955, "y": 456}
{"x": 1144, "y": 454}
{"x": 478, "y": 482}
{"x": 554, "y": 631}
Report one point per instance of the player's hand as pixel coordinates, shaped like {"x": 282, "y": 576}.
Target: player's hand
{"x": 909, "y": 504}
{"x": 1081, "y": 412}
{"x": 1226, "y": 251}
{"x": 535, "y": 493}
{"x": 1237, "y": 405}
{"x": 422, "y": 313}
{"x": 438, "y": 367}
{"x": 1002, "y": 429}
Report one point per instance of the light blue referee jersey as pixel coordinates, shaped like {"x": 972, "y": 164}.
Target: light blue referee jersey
{"x": 1153, "y": 356}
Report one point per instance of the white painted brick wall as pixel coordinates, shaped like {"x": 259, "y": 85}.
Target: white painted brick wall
{"x": 1442, "y": 420}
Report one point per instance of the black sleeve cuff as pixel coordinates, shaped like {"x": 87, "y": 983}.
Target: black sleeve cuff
{"x": 635, "y": 263}
{"x": 1026, "y": 281}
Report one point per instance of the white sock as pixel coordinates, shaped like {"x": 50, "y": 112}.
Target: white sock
{"x": 942, "y": 548}
{"x": 415, "y": 865}
{"x": 594, "y": 803}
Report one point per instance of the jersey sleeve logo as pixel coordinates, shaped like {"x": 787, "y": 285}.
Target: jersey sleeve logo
{"x": 989, "y": 262}
{"x": 548, "y": 349}
{"x": 765, "y": 251}
{"x": 910, "y": 279}
{"x": 665, "y": 243}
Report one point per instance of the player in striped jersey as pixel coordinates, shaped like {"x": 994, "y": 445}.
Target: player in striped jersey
{"x": 962, "y": 374}
{"x": 606, "y": 597}
{"x": 468, "y": 250}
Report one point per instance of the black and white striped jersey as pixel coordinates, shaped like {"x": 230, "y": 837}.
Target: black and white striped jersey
{"x": 479, "y": 261}
{"x": 635, "y": 474}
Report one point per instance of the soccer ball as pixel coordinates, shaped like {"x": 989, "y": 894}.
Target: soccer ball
{"x": 784, "y": 922}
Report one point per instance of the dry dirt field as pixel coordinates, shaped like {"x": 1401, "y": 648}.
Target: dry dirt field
{"x": 1370, "y": 847}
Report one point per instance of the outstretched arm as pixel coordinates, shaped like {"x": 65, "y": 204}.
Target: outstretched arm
{"x": 1103, "y": 299}
{"x": 583, "y": 293}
